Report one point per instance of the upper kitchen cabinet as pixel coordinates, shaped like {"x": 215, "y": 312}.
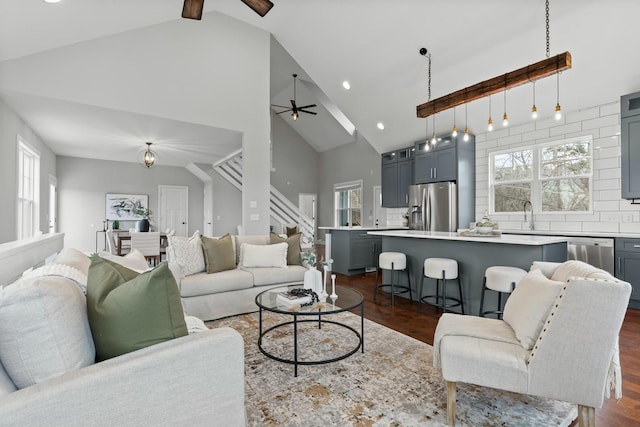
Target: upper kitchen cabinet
{"x": 630, "y": 115}
{"x": 397, "y": 176}
{"x": 450, "y": 159}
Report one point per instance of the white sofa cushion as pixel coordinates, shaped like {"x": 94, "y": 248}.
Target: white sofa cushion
{"x": 252, "y": 256}
{"x": 223, "y": 281}
{"x": 44, "y": 331}
{"x": 134, "y": 260}
{"x": 6, "y": 385}
{"x": 73, "y": 258}
{"x": 272, "y": 276}
{"x": 529, "y": 305}
{"x": 187, "y": 253}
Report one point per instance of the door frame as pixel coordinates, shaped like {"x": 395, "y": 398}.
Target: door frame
{"x": 186, "y": 208}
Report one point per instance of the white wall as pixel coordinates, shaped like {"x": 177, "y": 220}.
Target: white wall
{"x": 11, "y": 125}
{"x": 84, "y": 183}
{"x": 610, "y": 213}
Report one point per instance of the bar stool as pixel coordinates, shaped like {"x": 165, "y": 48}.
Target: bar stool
{"x": 441, "y": 269}
{"x": 502, "y": 280}
{"x": 393, "y": 261}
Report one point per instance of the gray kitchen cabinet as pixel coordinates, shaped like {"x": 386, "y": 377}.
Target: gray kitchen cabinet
{"x": 435, "y": 166}
{"x": 396, "y": 177}
{"x": 353, "y": 251}
{"x": 627, "y": 266}
{"x": 630, "y": 145}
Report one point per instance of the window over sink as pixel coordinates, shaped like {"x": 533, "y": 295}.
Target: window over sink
{"x": 554, "y": 177}
{"x": 348, "y": 204}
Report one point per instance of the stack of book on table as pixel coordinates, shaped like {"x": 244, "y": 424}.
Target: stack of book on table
{"x": 288, "y": 299}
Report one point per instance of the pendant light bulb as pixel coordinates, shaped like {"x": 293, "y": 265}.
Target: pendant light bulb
{"x": 505, "y": 120}
{"x": 534, "y": 112}
{"x": 294, "y": 115}
{"x": 455, "y": 131}
{"x": 465, "y": 138}
{"x": 558, "y": 115}
{"x": 490, "y": 125}
{"x": 433, "y": 140}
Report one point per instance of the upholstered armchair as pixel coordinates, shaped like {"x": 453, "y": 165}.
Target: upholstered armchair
{"x": 558, "y": 339}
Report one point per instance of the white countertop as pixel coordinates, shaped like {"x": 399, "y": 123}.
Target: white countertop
{"x": 597, "y": 234}
{"x": 363, "y": 228}
{"x": 510, "y": 239}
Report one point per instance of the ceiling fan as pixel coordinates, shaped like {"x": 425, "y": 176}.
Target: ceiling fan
{"x": 294, "y": 108}
{"x": 192, "y": 9}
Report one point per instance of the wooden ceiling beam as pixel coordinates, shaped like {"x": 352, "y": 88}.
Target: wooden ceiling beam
{"x": 530, "y": 73}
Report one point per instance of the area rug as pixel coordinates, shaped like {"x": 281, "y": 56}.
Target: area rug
{"x": 393, "y": 383}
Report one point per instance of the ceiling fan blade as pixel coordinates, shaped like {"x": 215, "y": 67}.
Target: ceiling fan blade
{"x": 261, "y": 7}
{"x": 279, "y": 106}
{"x": 293, "y": 103}
{"x": 307, "y": 106}
{"x": 285, "y": 111}
{"x": 192, "y": 9}
{"x": 308, "y": 112}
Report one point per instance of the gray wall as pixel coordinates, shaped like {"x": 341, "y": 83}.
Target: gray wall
{"x": 351, "y": 162}
{"x": 227, "y": 205}
{"x": 294, "y": 160}
{"x": 11, "y": 125}
{"x": 83, "y": 184}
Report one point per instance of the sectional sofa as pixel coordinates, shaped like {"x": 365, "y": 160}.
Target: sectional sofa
{"x": 210, "y": 296}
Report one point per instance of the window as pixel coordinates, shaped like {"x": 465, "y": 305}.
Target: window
{"x": 555, "y": 177}
{"x": 28, "y": 190}
{"x": 348, "y": 203}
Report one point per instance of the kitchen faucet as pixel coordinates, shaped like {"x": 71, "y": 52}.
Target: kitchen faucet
{"x": 524, "y": 208}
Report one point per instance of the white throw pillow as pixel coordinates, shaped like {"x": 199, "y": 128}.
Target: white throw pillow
{"x": 73, "y": 258}
{"x": 188, "y": 253}
{"x": 62, "y": 270}
{"x": 134, "y": 260}
{"x": 573, "y": 268}
{"x": 252, "y": 256}
{"x": 529, "y": 305}
{"x": 44, "y": 330}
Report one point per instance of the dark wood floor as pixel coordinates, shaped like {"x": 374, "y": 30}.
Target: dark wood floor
{"x": 403, "y": 317}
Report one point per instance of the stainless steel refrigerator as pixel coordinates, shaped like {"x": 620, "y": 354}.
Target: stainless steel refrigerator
{"x": 433, "y": 207}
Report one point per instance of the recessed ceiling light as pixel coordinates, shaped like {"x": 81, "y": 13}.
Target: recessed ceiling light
{"x": 346, "y": 85}
{"x": 380, "y": 125}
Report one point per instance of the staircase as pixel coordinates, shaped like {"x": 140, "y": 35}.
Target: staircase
{"x": 281, "y": 209}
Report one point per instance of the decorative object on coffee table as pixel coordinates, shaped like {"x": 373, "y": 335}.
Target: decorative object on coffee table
{"x": 333, "y": 295}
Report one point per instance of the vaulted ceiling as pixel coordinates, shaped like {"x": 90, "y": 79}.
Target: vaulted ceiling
{"x": 373, "y": 44}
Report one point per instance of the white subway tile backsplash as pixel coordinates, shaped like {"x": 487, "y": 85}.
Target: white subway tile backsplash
{"x": 606, "y": 184}
{"x": 606, "y": 163}
{"x": 610, "y": 131}
{"x": 565, "y": 226}
{"x": 606, "y": 142}
{"x": 582, "y": 115}
{"x": 608, "y": 174}
{"x": 611, "y": 108}
{"x": 600, "y": 122}
{"x": 606, "y": 206}
{"x": 481, "y": 138}
{"x": 601, "y": 227}
{"x": 630, "y": 227}
{"x": 606, "y": 195}
{"x": 508, "y": 140}
{"x": 525, "y": 128}
{"x": 594, "y": 133}
{"x": 568, "y": 128}
{"x": 533, "y": 136}
{"x": 549, "y": 122}
{"x": 608, "y": 152}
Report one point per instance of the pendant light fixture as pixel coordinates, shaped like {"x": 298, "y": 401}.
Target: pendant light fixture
{"x": 454, "y": 131}
{"x": 505, "y": 118}
{"x": 534, "y": 110}
{"x": 489, "y": 122}
{"x": 433, "y": 138}
{"x": 465, "y": 138}
{"x": 149, "y": 157}
{"x": 558, "y": 115}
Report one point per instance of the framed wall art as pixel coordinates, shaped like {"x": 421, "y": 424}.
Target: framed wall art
{"x": 126, "y": 207}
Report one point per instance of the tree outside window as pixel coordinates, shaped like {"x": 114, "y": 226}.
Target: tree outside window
{"x": 554, "y": 177}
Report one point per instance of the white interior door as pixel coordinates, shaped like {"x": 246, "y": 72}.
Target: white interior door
{"x": 207, "y": 226}
{"x": 307, "y": 204}
{"x": 379, "y": 213}
{"x": 173, "y": 208}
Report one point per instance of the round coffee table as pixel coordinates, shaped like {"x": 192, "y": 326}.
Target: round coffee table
{"x": 348, "y": 299}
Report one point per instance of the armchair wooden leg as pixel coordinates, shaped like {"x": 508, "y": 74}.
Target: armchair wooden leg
{"x": 586, "y": 416}
{"x": 451, "y": 403}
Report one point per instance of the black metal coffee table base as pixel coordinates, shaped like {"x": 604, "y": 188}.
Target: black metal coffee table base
{"x": 295, "y": 362}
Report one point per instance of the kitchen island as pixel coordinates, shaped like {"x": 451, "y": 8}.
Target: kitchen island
{"x": 474, "y": 256}
{"x": 353, "y": 250}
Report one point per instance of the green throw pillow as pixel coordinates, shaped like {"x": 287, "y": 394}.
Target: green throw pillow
{"x": 128, "y": 311}
{"x": 293, "y": 252}
{"x": 219, "y": 254}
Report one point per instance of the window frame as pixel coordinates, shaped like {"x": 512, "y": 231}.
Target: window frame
{"x": 537, "y": 179}
{"x": 347, "y": 186}
{"x": 26, "y": 151}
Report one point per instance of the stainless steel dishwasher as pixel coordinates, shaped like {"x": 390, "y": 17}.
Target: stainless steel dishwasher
{"x": 592, "y": 250}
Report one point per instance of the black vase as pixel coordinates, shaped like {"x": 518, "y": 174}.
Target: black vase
{"x": 142, "y": 225}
